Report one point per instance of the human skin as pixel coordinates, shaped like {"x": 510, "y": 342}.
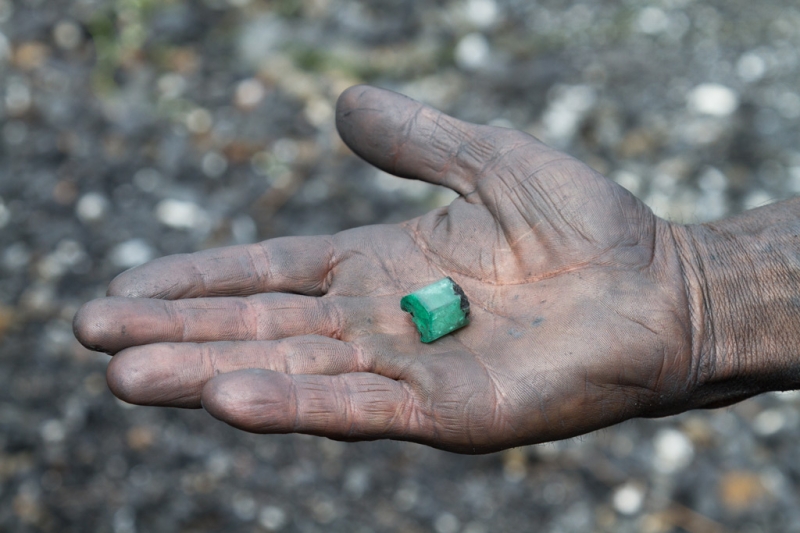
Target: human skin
{"x": 586, "y": 308}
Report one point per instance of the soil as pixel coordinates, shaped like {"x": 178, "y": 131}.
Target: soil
{"x": 131, "y": 129}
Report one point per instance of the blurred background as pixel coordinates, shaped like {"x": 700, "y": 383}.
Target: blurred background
{"x": 131, "y": 129}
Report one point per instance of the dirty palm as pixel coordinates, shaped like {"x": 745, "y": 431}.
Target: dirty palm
{"x": 579, "y": 314}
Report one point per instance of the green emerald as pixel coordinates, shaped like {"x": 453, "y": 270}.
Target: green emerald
{"x": 438, "y": 309}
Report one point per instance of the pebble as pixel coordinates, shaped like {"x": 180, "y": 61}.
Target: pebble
{"x": 446, "y": 523}
{"x": 475, "y": 527}
{"x": 272, "y": 518}
{"x": 131, "y": 253}
{"x": 568, "y": 105}
{"x": 406, "y": 497}
{"x": 472, "y": 51}
{"x": 249, "y": 93}
{"x": 91, "y": 207}
{"x": 15, "y": 132}
{"x": 652, "y": 20}
{"x": 757, "y": 198}
{"x": 628, "y": 499}
{"x": 171, "y": 85}
{"x": 148, "y": 179}
{"x": 740, "y": 490}
{"x": 67, "y": 255}
{"x": 214, "y": 164}
{"x": 751, "y": 67}
{"x": 199, "y": 121}
{"x": 713, "y": 99}
{"x": 5, "y": 48}
{"x": 67, "y": 35}
{"x": 769, "y": 422}
{"x": 180, "y": 214}
{"x": 52, "y": 431}
{"x": 356, "y": 481}
{"x": 673, "y": 451}
{"x": 244, "y": 506}
{"x": 787, "y": 104}
{"x": 629, "y": 180}
{"x": 481, "y": 13}
{"x": 18, "y": 97}
{"x": 16, "y": 256}
{"x": 5, "y": 214}
{"x": 124, "y": 521}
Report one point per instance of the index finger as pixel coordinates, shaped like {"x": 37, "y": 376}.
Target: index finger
{"x": 298, "y": 265}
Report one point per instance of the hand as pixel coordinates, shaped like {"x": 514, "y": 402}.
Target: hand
{"x": 580, "y": 314}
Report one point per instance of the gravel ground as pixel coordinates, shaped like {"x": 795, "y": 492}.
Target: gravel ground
{"x": 131, "y": 129}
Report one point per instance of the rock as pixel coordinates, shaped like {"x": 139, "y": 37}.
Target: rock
{"x": 180, "y": 214}
{"x": 628, "y": 499}
{"x": 131, "y": 253}
{"x": 472, "y": 51}
{"x": 91, "y": 207}
{"x": 713, "y": 99}
{"x": 741, "y": 490}
{"x": 673, "y": 451}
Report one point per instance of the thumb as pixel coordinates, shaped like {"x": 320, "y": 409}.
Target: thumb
{"x": 411, "y": 140}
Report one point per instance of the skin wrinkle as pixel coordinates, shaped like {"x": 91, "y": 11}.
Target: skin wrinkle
{"x": 500, "y": 399}
{"x": 702, "y": 363}
{"x": 327, "y": 279}
{"x": 169, "y": 293}
{"x": 443, "y": 169}
{"x": 396, "y": 420}
{"x": 405, "y": 139}
{"x": 258, "y": 282}
{"x": 198, "y": 273}
{"x": 415, "y": 412}
{"x": 653, "y": 247}
{"x": 636, "y": 321}
{"x": 332, "y": 315}
{"x": 504, "y": 225}
{"x": 431, "y": 256}
{"x": 173, "y": 317}
{"x": 256, "y": 321}
{"x": 343, "y": 404}
{"x": 362, "y": 362}
{"x": 265, "y": 277}
{"x": 289, "y": 359}
{"x": 294, "y": 402}
{"x": 658, "y": 378}
{"x": 534, "y": 192}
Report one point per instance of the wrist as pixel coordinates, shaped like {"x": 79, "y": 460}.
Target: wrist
{"x": 742, "y": 278}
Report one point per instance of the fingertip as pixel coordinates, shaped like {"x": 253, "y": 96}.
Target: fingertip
{"x": 92, "y": 326}
{"x": 143, "y": 376}
{"x": 118, "y": 287}
{"x": 353, "y": 98}
{"x": 349, "y": 99}
{"x": 123, "y": 378}
{"x": 127, "y": 285}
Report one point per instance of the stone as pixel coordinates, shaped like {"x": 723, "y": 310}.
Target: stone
{"x": 438, "y": 309}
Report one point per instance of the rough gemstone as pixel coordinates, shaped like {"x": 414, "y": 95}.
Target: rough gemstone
{"x": 438, "y": 309}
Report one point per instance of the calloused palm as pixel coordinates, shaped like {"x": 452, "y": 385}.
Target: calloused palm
{"x": 579, "y": 320}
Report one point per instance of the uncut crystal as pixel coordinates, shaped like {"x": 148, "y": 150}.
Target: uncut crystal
{"x": 438, "y": 309}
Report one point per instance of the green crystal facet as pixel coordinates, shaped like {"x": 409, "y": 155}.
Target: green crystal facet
{"x": 438, "y": 309}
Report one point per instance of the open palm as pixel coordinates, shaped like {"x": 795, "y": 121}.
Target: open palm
{"x": 579, "y": 314}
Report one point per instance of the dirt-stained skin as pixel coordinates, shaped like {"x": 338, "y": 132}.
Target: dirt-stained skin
{"x": 586, "y": 308}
